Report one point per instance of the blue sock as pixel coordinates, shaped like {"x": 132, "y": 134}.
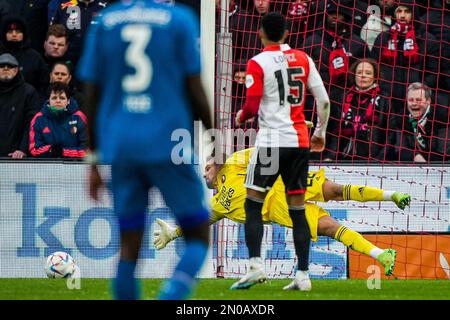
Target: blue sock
{"x": 182, "y": 282}
{"x": 125, "y": 286}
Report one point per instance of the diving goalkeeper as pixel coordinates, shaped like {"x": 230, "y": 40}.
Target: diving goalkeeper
{"x": 229, "y": 201}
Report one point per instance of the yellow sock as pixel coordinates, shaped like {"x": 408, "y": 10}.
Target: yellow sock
{"x": 353, "y": 240}
{"x": 361, "y": 193}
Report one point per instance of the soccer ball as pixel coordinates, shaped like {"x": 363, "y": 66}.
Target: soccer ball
{"x": 60, "y": 265}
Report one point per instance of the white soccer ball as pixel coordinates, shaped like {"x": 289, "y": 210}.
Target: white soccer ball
{"x": 60, "y": 265}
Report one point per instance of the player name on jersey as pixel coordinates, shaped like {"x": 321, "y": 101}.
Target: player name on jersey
{"x": 289, "y": 57}
{"x": 144, "y": 15}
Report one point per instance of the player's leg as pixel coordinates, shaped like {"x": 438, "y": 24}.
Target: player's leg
{"x": 329, "y": 227}
{"x": 254, "y": 227}
{"x": 130, "y": 203}
{"x": 196, "y": 235}
{"x": 254, "y": 231}
{"x": 294, "y": 173}
{"x": 338, "y": 192}
{"x": 253, "y": 222}
{"x": 183, "y": 193}
{"x": 258, "y": 180}
{"x": 125, "y": 286}
{"x": 302, "y": 235}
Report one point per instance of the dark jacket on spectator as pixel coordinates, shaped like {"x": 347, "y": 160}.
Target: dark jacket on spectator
{"x": 335, "y": 48}
{"x": 19, "y": 102}
{"x": 379, "y": 19}
{"x": 237, "y": 99}
{"x": 437, "y": 21}
{"x": 238, "y": 95}
{"x": 244, "y": 29}
{"x": 399, "y": 72}
{"x": 52, "y": 7}
{"x": 322, "y": 43}
{"x": 408, "y": 137}
{"x": 302, "y": 19}
{"x": 32, "y": 65}
{"x": 5, "y": 10}
{"x": 50, "y": 61}
{"x": 36, "y": 19}
{"x": 320, "y": 46}
{"x": 16, "y": 7}
{"x": 363, "y": 126}
{"x": 77, "y": 23}
{"x": 79, "y": 98}
{"x": 62, "y": 135}
{"x": 356, "y": 8}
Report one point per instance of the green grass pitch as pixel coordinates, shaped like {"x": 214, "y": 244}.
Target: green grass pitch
{"x": 217, "y": 289}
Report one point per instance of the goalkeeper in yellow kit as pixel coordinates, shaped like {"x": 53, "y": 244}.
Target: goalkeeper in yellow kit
{"x": 229, "y": 201}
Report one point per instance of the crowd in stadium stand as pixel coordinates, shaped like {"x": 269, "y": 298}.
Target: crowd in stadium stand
{"x": 41, "y": 106}
{"x": 40, "y": 44}
{"x": 385, "y": 64}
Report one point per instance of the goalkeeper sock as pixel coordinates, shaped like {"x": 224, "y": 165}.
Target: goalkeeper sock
{"x": 125, "y": 286}
{"x": 302, "y": 236}
{"x": 354, "y": 241}
{"x": 364, "y": 193}
{"x": 182, "y": 282}
{"x": 254, "y": 227}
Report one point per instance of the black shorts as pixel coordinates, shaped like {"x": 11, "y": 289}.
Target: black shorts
{"x": 266, "y": 164}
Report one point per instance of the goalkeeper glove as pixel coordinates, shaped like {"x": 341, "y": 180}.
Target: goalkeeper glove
{"x": 163, "y": 236}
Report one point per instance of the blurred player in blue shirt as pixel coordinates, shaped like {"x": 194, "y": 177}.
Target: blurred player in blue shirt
{"x": 141, "y": 74}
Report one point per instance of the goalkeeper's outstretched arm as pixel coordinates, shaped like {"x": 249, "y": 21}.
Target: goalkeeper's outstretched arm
{"x": 167, "y": 233}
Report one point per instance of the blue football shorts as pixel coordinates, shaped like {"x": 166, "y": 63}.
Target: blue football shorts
{"x": 179, "y": 185}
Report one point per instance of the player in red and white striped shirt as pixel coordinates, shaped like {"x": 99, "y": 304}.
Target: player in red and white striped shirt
{"x": 276, "y": 83}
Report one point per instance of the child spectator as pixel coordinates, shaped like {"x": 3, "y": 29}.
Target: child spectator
{"x": 59, "y": 129}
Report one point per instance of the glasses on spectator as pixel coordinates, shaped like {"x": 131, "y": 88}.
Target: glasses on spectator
{"x": 5, "y": 65}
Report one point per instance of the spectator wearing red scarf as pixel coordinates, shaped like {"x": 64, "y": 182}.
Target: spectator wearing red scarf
{"x": 363, "y": 122}
{"x": 380, "y": 16}
{"x": 334, "y": 50}
{"x": 407, "y": 54}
